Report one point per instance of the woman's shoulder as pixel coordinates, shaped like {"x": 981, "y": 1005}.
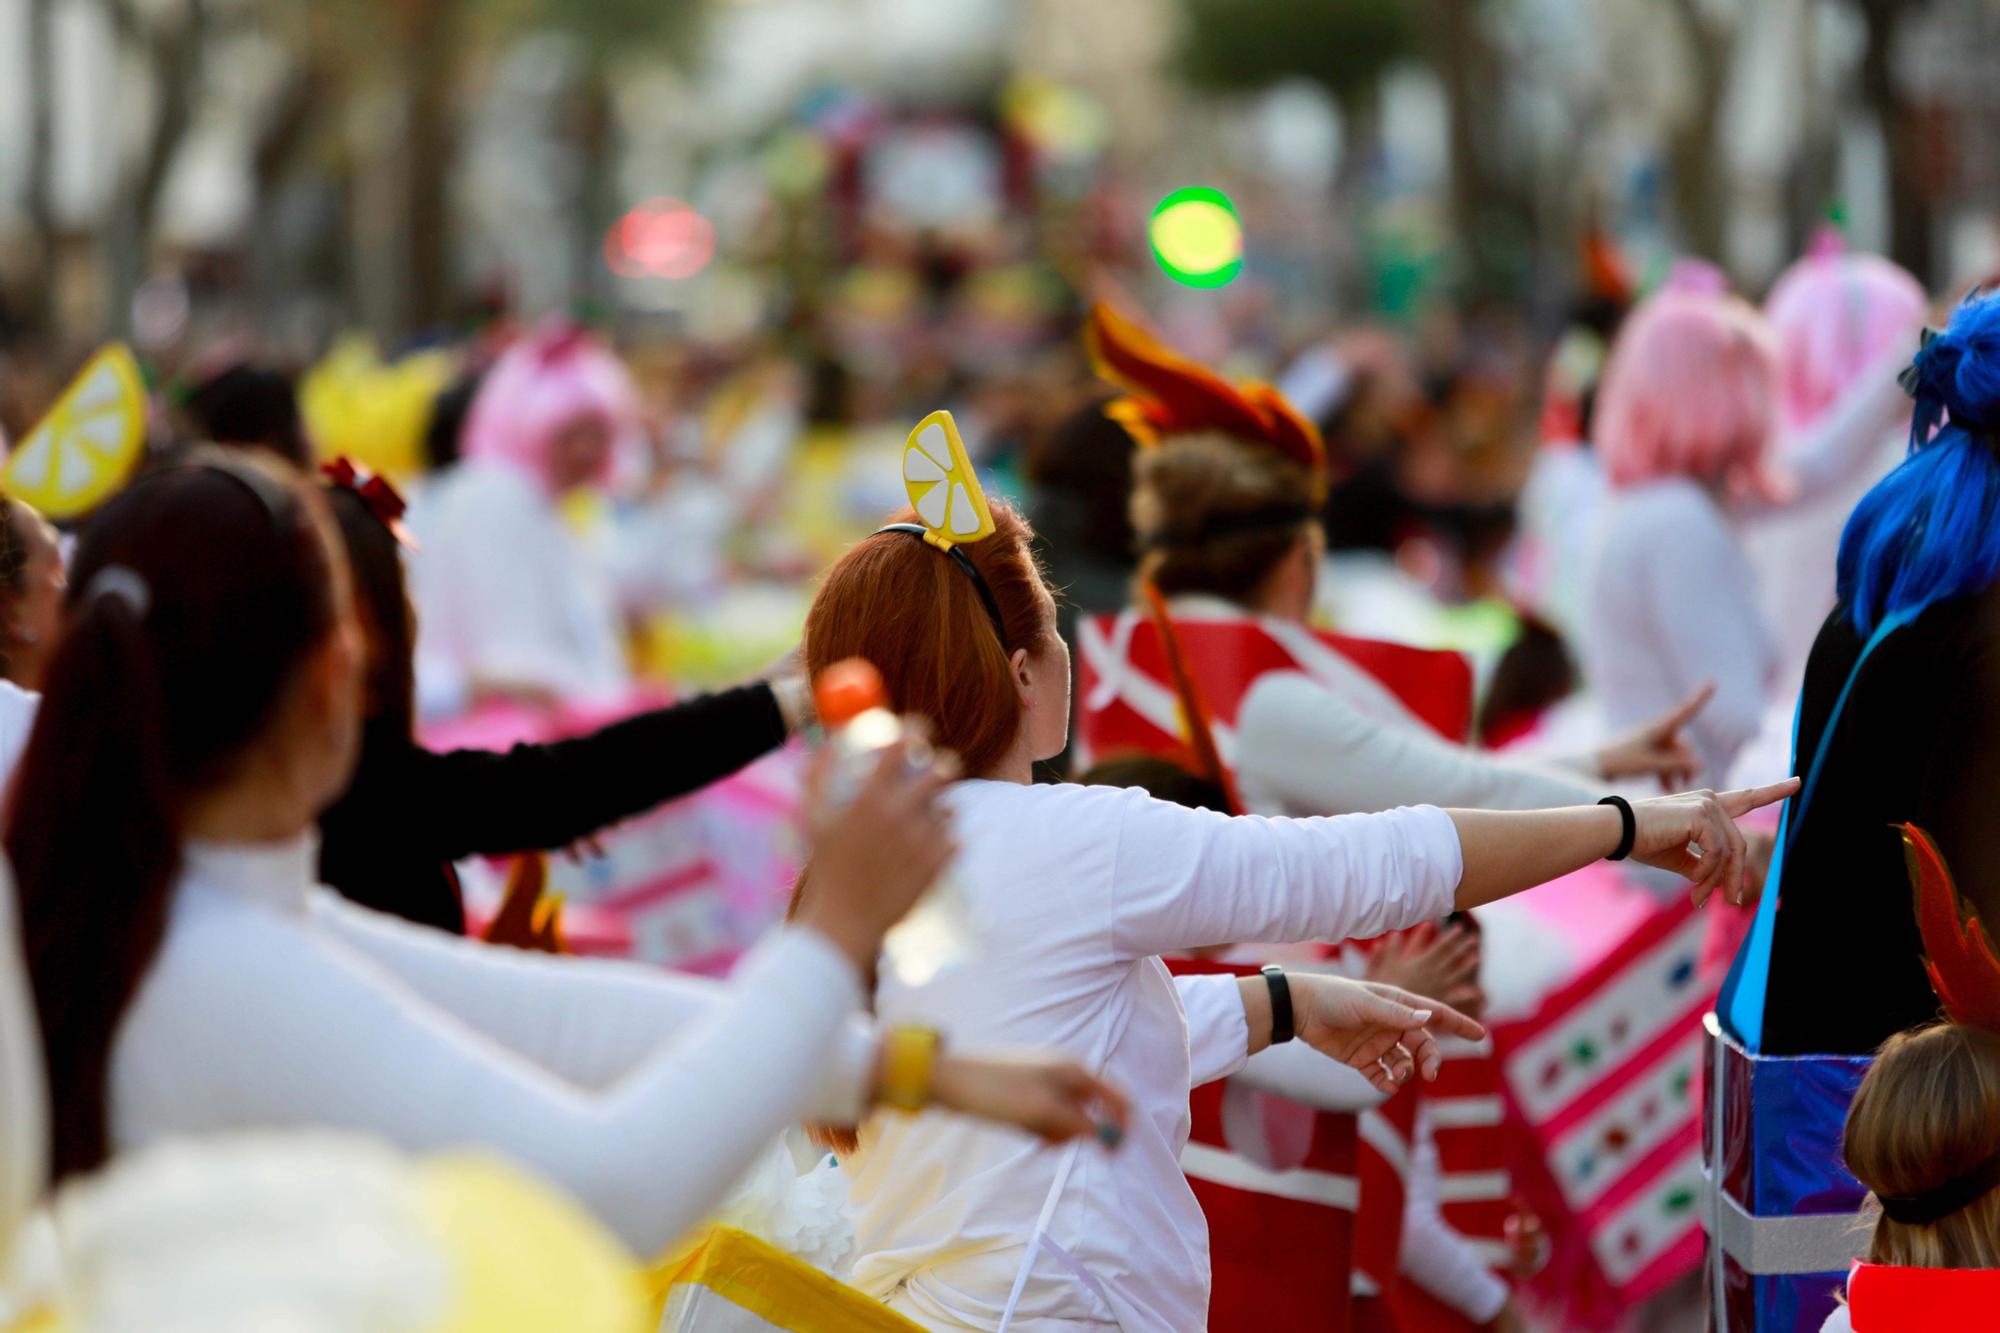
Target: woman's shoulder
{"x": 483, "y": 489}
{"x": 1669, "y": 505}
{"x": 1041, "y": 802}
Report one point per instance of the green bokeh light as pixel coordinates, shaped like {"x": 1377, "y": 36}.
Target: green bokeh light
{"x": 1197, "y": 237}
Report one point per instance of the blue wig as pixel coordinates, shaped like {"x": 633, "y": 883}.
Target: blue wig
{"x": 1930, "y": 530}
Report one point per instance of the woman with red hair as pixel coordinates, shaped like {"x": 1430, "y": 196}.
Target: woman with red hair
{"x": 1075, "y": 892}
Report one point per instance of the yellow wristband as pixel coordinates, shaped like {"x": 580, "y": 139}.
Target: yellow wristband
{"x": 909, "y": 1058}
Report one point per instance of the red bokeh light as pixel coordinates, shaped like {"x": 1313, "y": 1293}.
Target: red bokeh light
{"x": 661, "y": 238}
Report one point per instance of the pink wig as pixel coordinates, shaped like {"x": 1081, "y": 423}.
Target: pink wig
{"x": 541, "y": 385}
{"x": 1690, "y": 390}
{"x": 1835, "y": 315}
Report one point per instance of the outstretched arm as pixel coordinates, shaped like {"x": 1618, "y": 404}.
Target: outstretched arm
{"x": 1693, "y": 835}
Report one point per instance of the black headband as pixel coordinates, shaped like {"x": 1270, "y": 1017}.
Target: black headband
{"x": 1920, "y": 1210}
{"x": 964, "y": 562}
{"x": 1265, "y": 518}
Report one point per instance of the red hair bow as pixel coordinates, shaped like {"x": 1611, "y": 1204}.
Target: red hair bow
{"x": 376, "y": 491}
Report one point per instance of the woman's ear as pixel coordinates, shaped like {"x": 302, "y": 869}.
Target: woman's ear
{"x": 1024, "y": 677}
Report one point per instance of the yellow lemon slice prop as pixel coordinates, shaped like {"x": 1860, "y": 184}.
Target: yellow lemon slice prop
{"x": 942, "y": 486}
{"x": 526, "y": 1259}
{"x": 88, "y": 444}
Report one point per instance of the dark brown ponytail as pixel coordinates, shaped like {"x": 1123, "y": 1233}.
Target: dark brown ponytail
{"x": 196, "y": 595}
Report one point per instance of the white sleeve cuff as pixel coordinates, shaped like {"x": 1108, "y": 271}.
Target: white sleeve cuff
{"x": 1218, "y": 1030}
{"x": 1438, "y": 854}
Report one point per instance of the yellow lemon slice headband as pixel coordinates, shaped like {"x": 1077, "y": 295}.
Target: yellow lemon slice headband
{"x": 944, "y": 490}
{"x": 88, "y": 445}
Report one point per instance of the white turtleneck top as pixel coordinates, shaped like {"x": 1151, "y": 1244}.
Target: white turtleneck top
{"x": 276, "y": 1003}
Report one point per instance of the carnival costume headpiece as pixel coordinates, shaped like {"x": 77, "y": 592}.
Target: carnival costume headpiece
{"x": 88, "y": 444}
{"x": 944, "y": 490}
{"x": 1965, "y": 972}
{"x": 1167, "y": 394}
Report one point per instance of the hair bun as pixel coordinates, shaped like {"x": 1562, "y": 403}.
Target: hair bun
{"x": 1941, "y": 375}
{"x": 1958, "y": 369}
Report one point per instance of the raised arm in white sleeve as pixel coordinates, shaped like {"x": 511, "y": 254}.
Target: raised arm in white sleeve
{"x": 587, "y": 1020}
{"x": 1847, "y": 437}
{"x": 1318, "y": 754}
{"x": 1436, "y": 1257}
{"x": 1186, "y": 878}
{"x": 248, "y": 1021}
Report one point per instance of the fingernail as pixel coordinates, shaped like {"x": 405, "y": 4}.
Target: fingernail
{"x": 1110, "y": 1135}
{"x": 1423, "y": 1017}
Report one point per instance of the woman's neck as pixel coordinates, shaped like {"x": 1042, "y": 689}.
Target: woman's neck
{"x": 254, "y": 806}
{"x": 1017, "y": 765}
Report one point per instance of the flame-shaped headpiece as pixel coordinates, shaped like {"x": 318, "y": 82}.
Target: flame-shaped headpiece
{"x": 1959, "y": 954}
{"x": 1171, "y": 395}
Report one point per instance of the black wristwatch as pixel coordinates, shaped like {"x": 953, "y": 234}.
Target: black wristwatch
{"x": 1282, "y": 1030}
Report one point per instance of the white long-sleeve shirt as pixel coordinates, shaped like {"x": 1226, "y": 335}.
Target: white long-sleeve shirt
{"x": 18, "y": 709}
{"x": 1673, "y": 604}
{"x": 275, "y": 1003}
{"x": 24, "y": 1104}
{"x": 1302, "y": 747}
{"x": 1079, "y": 890}
{"x": 1436, "y": 1257}
{"x": 505, "y": 592}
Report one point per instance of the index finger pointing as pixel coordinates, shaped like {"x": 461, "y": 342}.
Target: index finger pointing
{"x": 1743, "y": 801}
{"x": 1689, "y": 708}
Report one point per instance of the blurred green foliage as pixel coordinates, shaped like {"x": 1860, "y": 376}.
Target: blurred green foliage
{"x": 1343, "y": 45}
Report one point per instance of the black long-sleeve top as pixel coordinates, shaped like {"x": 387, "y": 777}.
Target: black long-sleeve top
{"x": 410, "y": 812}
{"x": 1919, "y": 742}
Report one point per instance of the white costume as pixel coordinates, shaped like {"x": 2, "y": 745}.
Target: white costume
{"x": 1674, "y": 598}
{"x": 1080, "y": 889}
{"x": 24, "y": 1109}
{"x": 505, "y": 592}
{"x": 275, "y": 1003}
{"x": 18, "y": 709}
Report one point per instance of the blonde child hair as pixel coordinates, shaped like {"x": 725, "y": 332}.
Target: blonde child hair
{"x": 1924, "y": 1131}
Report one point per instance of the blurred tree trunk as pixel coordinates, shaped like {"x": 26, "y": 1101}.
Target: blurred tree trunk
{"x": 173, "y": 53}
{"x": 38, "y": 301}
{"x": 597, "y": 201}
{"x": 1487, "y": 212}
{"x": 285, "y": 133}
{"x": 432, "y": 46}
{"x": 1910, "y": 241}
{"x": 1698, "y": 187}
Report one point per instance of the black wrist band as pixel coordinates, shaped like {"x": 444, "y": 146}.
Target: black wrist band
{"x": 1631, "y": 834}
{"x": 1281, "y": 1003}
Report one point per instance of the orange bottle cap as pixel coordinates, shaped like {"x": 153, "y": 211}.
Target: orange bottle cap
{"x": 846, "y": 690}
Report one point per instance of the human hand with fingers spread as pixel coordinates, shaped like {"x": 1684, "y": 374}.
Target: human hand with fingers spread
{"x": 1440, "y": 963}
{"x": 1658, "y": 749}
{"x": 1383, "y": 1031}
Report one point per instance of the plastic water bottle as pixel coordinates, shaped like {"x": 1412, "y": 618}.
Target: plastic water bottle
{"x": 940, "y": 932}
